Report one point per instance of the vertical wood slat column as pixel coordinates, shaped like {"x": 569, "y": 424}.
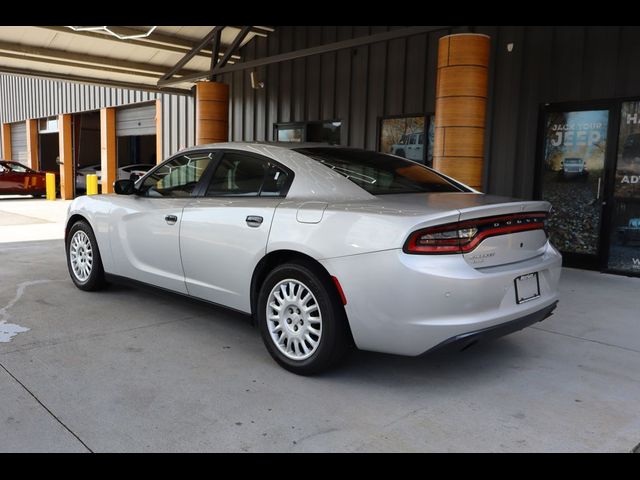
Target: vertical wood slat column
{"x": 65, "y": 139}
{"x": 32, "y": 144}
{"x": 461, "y": 103}
{"x": 159, "y": 154}
{"x": 212, "y": 112}
{"x": 6, "y": 141}
{"x": 108, "y": 162}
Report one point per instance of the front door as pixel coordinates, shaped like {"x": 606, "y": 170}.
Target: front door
{"x": 576, "y": 158}
{"x": 145, "y": 241}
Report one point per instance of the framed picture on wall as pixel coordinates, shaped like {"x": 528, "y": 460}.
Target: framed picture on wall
{"x": 408, "y": 136}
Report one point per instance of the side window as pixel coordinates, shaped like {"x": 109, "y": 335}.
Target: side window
{"x": 247, "y": 176}
{"x": 178, "y": 177}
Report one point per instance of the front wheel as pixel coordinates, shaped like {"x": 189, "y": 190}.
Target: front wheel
{"x": 83, "y": 258}
{"x": 302, "y": 322}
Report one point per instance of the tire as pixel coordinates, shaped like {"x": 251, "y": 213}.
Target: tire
{"x": 325, "y": 350}
{"x": 91, "y": 278}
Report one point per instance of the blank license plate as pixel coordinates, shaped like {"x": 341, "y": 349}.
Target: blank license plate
{"x": 527, "y": 287}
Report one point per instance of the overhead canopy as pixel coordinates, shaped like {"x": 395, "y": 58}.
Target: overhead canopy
{"x": 123, "y": 56}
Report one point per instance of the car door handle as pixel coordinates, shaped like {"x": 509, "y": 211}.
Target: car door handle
{"x": 254, "y": 221}
{"x": 171, "y": 219}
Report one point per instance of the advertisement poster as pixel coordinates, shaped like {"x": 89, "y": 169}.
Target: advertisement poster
{"x": 574, "y": 154}
{"x": 624, "y": 250}
{"x": 403, "y": 136}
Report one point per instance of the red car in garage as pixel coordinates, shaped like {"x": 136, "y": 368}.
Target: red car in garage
{"x": 17, "y": 179}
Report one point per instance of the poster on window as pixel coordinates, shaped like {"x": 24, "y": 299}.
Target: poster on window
{"x": 403, "y": 136}
{"x": 574, "y": 154}
{"x": 624, "y": 249}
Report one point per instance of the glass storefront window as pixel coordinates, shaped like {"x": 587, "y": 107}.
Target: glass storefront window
{"x": 624, "y": 241}
{"x": 575, "y": 144}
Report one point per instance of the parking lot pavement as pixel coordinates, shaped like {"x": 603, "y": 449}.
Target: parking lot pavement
{"x": 23, "y": 218}
{"x": 138, "y": 370}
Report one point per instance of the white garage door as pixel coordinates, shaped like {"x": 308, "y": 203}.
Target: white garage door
{"x": 19, "y": 142}
{"x": 136, "y": 121}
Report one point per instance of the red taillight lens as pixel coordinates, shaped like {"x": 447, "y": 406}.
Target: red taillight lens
{"x": 463, "y": 237}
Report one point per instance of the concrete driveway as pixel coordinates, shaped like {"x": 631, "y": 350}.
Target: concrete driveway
{"x": 137, "y": 370}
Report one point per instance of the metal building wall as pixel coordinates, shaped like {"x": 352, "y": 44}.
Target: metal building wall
{"x": 24, "y": 97}
{"x": 546, "y": 64}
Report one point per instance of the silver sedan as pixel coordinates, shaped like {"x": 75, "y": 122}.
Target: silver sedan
{"x": 325, "y": 247}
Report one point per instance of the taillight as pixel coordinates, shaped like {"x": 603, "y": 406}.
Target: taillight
{"x": 463, "y": 237}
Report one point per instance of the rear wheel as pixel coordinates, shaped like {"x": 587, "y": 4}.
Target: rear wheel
{"x": 303, "y": 325}
{"x": 83, "y": 258}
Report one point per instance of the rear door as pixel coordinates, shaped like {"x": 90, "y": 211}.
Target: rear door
{"x": 145, "y": 238}
{"x": 224, "y": 231}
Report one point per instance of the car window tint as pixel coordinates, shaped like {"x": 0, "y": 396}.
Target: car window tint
{"x": 275, "y": 181}
{"x": 378, "y": 173}
{"x": 16, "y": 167}
{"x": 238, "y": 175}
{"x": 178, "y": 177}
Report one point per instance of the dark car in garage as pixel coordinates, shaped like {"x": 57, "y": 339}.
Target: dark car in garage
{"x": 18, "y": 179}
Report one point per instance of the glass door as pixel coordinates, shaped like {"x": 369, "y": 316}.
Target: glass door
{"x": 574, "y": 164}
{"x": 624, "y": 233}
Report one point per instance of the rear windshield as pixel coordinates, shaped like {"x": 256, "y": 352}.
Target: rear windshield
{"x": 381, "y": 174}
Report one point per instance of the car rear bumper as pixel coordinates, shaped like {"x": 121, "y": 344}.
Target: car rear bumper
{"x": 408, "y": 304}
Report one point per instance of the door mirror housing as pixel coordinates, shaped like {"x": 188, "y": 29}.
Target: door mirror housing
{"x": 124, "y": 187}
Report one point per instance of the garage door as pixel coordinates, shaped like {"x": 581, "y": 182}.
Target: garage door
{"x": 19, "y": 142}
{"x": 136, "y": 121}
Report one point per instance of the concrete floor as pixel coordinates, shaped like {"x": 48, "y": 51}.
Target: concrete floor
{"x": 136, "y": 370}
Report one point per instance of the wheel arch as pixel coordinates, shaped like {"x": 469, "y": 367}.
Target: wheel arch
{"x": 73, "y": 219}
{"x": 279, "y": 257}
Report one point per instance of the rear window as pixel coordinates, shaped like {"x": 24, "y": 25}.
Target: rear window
{"x": 381, "y": 174}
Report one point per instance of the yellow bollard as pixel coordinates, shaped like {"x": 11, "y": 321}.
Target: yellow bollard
{"x": 92, "y": 184}
{"x": 51, "y": 186}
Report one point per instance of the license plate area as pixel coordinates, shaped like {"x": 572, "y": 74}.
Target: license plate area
{"x": 527, "y": 287}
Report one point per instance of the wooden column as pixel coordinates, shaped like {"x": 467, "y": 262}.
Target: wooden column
{"x": 108, "y": 148}
{"x": 6, "y": 141}
{"x": 32, "y": 144}
{"x": 159, "y": 154}
{"x": 65, "y": 139}
{"x": 212, "y": 112}
{"x": 461, "y": 102}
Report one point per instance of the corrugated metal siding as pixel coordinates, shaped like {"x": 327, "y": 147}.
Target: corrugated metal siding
{"x": 19, "y": 142}
{"x": 547, "y": 64}
{"x": 136, "y": 120}
{"x": 23, "y": 97}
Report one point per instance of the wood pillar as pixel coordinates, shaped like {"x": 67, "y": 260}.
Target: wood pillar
{"x": 6, "y": 141}
{"x": 65, "y": 139}
{"x": 108, "y": 162}
{"x": 159, "y": 154}
{"x": 212, "y": 112}
{"x": 461, "y": 103}
{"x": 32, "y": 144}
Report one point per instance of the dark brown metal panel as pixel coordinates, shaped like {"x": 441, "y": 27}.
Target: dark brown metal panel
{"x": 375, "y": 89}
{"x": 535, "y": 84}
{"x": 272, "y": 87}
{"x": 343, "y": 84}
{"x": 600, "y": 62}
{"x": 506, "y": 98}
{"x": 628, "y": 75}
{"x": 415, "y": 73}
{"x": 286, "y": 72}
{"x": 359, "y": 91}
{"x": 568, "y": 57}
{"x": 299, "y": 91}
{"x": 394, "y": 85}
{"x": 249, "y": 102}
{"x": 328, "y": 75}
{"x": 314, "y": 38}
{"x": 260, "y": 94}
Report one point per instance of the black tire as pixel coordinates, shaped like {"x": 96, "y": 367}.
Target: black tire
{"x": 334, "y": 340}
{"x": 95, "y": 280}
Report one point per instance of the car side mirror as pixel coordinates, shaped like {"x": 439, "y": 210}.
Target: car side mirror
{"x": 124, "y": 187}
